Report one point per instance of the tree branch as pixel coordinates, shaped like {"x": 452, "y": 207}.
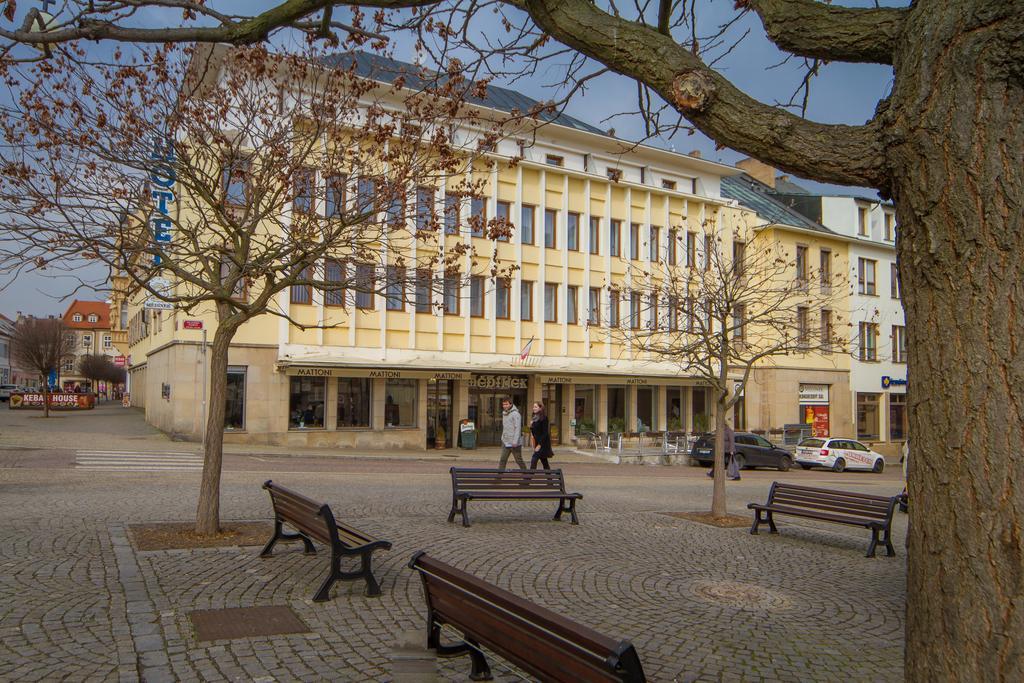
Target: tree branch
{"x": 849, "y": 155}
{"x": 813, "y": 29}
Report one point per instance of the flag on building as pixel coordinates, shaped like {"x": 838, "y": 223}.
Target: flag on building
{"x": 525, "y": 353}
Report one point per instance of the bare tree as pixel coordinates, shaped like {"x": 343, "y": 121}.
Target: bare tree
{"x": 94, "y": 367}
{"x": 41, "y": 345}
{"x": 744, "y": 302}
{"x": 944, "y": 144}
{"x": 236, "y": 181}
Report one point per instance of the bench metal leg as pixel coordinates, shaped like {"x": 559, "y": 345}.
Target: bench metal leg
{"x": 372, "y": 587}
{"x": 465, "y": 515}
{"x": 757, "y": 522}
{"x": 455, "y": 508}
{"x": 324, "y": 593}
{"x": 771, "y": 523}
{"x": 887, "y": 539}
{"x": 480, "y": 671}
{"x": 874, "y": 542}
{"x": 572, "y": 511}
{"x": 279, "y": 535}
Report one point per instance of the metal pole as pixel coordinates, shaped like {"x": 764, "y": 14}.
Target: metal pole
{"x": 202, "y": 425}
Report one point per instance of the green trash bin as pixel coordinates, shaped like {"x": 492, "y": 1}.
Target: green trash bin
{"x": 467, "y": 434}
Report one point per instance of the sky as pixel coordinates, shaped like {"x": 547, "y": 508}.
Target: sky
{"x": 842, "y": 93}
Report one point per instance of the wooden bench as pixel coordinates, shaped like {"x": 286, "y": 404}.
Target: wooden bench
{"x": 315, "y": 521}
{"x": 494, "y": 484}
{"x": 542, "y": 643}
{"x": 829, "y": 505}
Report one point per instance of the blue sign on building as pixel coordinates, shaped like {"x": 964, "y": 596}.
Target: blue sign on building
{"x": 892, "y": 382}
{"x": 163, "y": 177}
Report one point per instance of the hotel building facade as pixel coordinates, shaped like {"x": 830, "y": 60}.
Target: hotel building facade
{"x": 404, "y": 372}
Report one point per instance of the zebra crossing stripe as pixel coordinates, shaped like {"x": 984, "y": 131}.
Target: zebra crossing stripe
{"x": 137, "y": 461}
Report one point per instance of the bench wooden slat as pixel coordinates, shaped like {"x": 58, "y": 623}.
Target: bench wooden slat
{"x": 315, "y": 521}
{"x": 495, "y": 484}
{"x": 840, "y": 507}
{"x": 541, "y": 642}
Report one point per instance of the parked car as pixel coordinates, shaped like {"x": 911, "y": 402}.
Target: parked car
{"x": 752, "y": 450}
{"x": 7, "y": 389}
{"x": 838, "y": 455}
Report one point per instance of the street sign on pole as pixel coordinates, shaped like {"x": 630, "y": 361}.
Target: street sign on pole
{"x": 192, "y": 324}
{"x": 154, "y": 304}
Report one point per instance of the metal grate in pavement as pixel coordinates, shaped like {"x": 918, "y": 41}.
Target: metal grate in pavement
{"x": 245, "y": 622}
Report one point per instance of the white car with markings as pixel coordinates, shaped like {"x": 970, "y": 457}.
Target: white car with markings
{"x": 838, "y": 455}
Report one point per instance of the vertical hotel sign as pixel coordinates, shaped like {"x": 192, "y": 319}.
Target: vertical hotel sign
{"x": 162, "y": 176}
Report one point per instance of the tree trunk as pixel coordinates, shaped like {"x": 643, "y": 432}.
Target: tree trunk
{"x": 956, "y": 121}
{"x": 46, "y": 396}
{"x": 208, "y": 509}
{"x": 718, "y": 506}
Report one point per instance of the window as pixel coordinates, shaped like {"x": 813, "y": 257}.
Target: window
{"x": 899, "y": 344}
{"x": 652, "y": 318}
{"x": 654, "y": 248}
{"x": 68, "y": 365}
{"x": 595, "y": 235}
{"x": 668, "y": 184}
{"x": 802, "y": 267}
{"x": 477, "y": 216}
{"x": 825, "y": 269}
{"x": 400, "y": 403}
{"x": 87, "y": 341}
{"x": 234, "y": 182}
{"x": 503, "y": 211}
{"x": 334, "y": 272}
{"x": 572, "y": 231}
{"x": 594, "y": 307}
{"x": 672, "y": 306}
{"x": 890, "y": 224}
{"x": 452, "y": 211}
{"x": 862, "y": 222}
{"x": 354, "y": 402}
{"x": 503, "y": 298}
{"x": 739, "y": 253}
{"x": 451, "y": 295}
{"x": 306, "y": 400}
{"x": 124, "y": 316}
{"x": 867, "y": 417}
{"x": 572, "y": 298}
{"x": 739, "y": 317}
{"x": 334, "y": 204}
{"x": 866, "y": 277}
{"x": 803, "y": 337}
{"x": 303, "y": 190}
{"x": 550, "y": 225}
{"x": 708, "y": 248}
{"x": 302, "y": 294}
{"x": 827, "y": 331}
{"x": 423, "y": 290}
{"x": 554, "y": 160}
{"x": 77, "y": 317}
{"x": 868, "y": 338}
{"x": 634, "y": 310}
{"x": 366, "y": 193}
{"x": 613, "y": 308}
{"x": 234, "y": 399}
{"x": 525, "y": 300}
{"x": 93, "y": 318}
{"x": 365, "y": 285}
{"x": 550, "y": 302}
{"x": 634, "y": 241}
{"x": 394, "y": 216}
{"x": 614, "y": 237}
{"x": 614, "y": 174}
{"x": 693, "y": 186}
{"x": 673, "y": 235}
{"x": 394, "y": 293}
{"x": 691, "y": 314}
{"x": 526, "y": 215}
{"x": 897, "y": 417}
{"x": 424, "y": 208}
{"x": 691, "y": 249}
{"x": 894, "y": 281}
{"x": 476, "y": 296}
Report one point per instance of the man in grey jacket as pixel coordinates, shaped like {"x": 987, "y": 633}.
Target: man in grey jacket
{"x": 511, "y": 434}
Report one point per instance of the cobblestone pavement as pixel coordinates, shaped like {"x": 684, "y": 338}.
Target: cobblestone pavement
{"x": 700, "y": 603}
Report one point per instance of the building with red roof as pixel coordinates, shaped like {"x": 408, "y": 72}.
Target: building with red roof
{"x": 89, "y": 323}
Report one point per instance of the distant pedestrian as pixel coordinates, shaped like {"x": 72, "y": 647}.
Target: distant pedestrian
{"x": 511, "y": 434}
{"x": 540, "y": 428}
{"x": 729, "y": 454}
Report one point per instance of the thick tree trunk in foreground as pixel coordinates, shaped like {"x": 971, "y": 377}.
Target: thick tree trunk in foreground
{"x": 208, "y": 509}
{"x": 718, "y": 503}
{"x": 956, "y": 118}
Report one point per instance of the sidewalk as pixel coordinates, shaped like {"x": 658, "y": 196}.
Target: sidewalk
{"x": 111, "y": 427}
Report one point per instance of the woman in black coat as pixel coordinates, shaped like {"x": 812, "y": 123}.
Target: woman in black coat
{"x": 540, "y": 428}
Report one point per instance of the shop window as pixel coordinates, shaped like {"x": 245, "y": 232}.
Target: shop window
{"x": 867, "y": 417}
{"x": 354, "y": 402}
{"x": 550, "y": 226}
{"x": 617, "y": 410}
{"x": 572, "y": 231}
{"x": 646, "y": 415}
{"x": 897, "y": 417}
{"x": 527, "y": 236}
{"x": 699, "y": 410}
{"x": 306, "y": 402}
{"x": 674, "y": 408}
{"x": 595, "y": 235}
{"x": 400, "y": 403}
{"x": 585, "y": 409}
{"x": 234, "y": 403}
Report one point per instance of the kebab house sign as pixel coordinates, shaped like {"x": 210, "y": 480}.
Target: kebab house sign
{"x": 32, "y": 401}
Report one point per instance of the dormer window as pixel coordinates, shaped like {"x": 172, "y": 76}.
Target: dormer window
{"x": 554, "y": 160}
{"x": 614, "y": 174}
{"x": 77, "y": 317}
{"x": 668, "y": 184}
{"x": 93, "y": 318}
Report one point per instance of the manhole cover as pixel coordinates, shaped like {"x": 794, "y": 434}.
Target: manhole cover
{"x": 245, "y": 622}
{"x": 746, "y": 596}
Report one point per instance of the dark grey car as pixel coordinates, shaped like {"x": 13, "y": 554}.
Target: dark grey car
{"x": 752, "y": 450}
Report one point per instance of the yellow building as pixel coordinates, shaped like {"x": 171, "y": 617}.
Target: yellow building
{"x": 404, "y": 372}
